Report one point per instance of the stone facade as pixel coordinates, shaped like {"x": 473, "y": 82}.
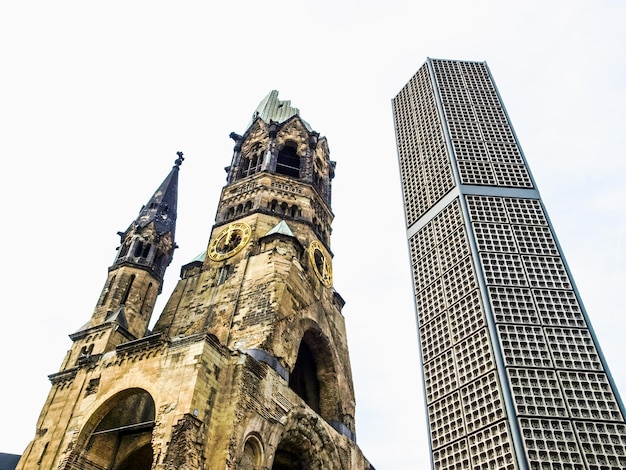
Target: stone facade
{"x": 247, "y": 367}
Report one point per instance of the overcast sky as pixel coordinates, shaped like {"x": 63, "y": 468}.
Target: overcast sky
{"x": 97, "y": 97}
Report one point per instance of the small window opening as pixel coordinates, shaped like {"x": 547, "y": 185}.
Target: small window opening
{"x": 223, "y": 274}
{"x": 128, "y": 287}
{"x": 146, "y": 297}
{"x": 107, "y": 290}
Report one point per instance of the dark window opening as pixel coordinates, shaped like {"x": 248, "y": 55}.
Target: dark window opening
{"x": 286, "y": 460}
{"x": 146, "y": 250}
{"x": 223, "y": 274}
{"x": 138, "y": 249}
{"x": 303, "y": 379}
{"x": 251, "y": 163}
{"x": 288, "y": 162}
{"x": 124, "y": 249}
{"x": 146, "y": 298}
{"x": 159, "y": 262}
{"x": 127, "y": 293}
{"x": 107, "y": 290}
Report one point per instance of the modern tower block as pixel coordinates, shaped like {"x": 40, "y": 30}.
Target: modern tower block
{"x": 513, "y": 374}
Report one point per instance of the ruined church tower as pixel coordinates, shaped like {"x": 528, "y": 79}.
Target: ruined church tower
{"x": 247, "y": 367}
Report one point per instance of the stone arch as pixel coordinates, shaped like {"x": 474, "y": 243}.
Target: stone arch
{"x": 314, "y": 375}
{"x": 118, "y": 434}
{"x": 305, "y": 444}
{"x": 253, "y": 455}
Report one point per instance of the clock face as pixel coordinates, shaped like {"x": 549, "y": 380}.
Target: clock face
{"x": 320, "y": 260}
{"x": 229, "y": 241}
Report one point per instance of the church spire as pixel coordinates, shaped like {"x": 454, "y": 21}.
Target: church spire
{"x": 161, "y": 208}
{"x": 149, "y": 240}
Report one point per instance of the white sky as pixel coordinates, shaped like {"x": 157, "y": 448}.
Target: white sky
{"x": 96, "y": 98}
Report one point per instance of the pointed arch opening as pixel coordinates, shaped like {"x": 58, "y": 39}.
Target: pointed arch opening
{"x": 305, "y": 445}
{"x": 288, "y": 162}
{"x": 252, "y": 457}
{"x": 303, "y": 380}
{"x": 118, "y": 435}
{"x": 314, "y": 376}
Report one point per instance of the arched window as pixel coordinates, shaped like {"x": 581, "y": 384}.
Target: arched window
{"x": 303, "y": 380}
{"x": 248, "y": 207}
{"x": 299, "y": 444}
{"x": 119, "y": 434}
{"x": 252, "y": 457}
{"x": 252, "y": 162}
{"x": 288, "y": 162}
{"x": 314, "y": 376}
{"x": 273, "y": 205}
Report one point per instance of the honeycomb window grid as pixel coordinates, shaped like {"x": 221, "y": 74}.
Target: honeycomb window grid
{"x": 573, "y": 348}
{"x": 524, "y": 346}
{"x": 494, "y": 237}
{"x": 487, "y": 209}
{"x": 513, "y": 305}
{"x": 440, "y": 376}
{"x": 482, "y": 402}
{"x": 473, "y": 357}
{"x": 537, "y": 392}
{"x": 435, "y": 337}
{"x": 558, "y": 308}
{"x": 446, "y": 418}
{"x": 551, "y": 443}
{"x": 503, "y": 269}
{"x": 465, "y": 317}
{"x": 546, "y": 272}
{"x": 454, "y": 456}
{"x": 490, "y": 444}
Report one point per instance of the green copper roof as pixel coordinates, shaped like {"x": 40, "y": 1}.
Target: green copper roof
{"x": 200, "y": 257}
{"x": 273, "y": 109}
{"x": 282, "y": 228}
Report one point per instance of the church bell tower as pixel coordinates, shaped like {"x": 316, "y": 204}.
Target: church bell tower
{"x": 247, "y": 367}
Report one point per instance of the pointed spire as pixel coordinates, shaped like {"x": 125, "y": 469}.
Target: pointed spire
{"x": 161, "y": 208}
{"x": 149, "y": 239}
